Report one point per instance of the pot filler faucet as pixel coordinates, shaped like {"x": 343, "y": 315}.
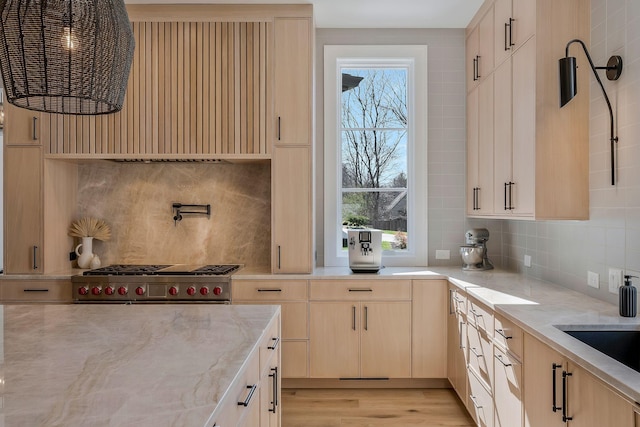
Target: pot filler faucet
{"x": 179, "y": 209}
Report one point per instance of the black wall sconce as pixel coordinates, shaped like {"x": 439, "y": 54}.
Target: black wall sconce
{"x": 569, "y": 88}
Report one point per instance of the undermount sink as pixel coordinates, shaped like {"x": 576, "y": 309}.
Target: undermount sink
{"x": 622, "y": 345}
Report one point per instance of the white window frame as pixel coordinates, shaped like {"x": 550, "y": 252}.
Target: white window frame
{"x": 414, "y": 57}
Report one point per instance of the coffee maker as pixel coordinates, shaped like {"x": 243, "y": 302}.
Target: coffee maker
{"x": 365, "y": 250}
{"x": 474, "y": 253}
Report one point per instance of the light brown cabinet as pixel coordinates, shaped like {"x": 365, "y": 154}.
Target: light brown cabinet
{"x": 292, "y": 297}
{"x": 457, "y": 342}
{"x": 23, "y": 210}
{"x": 360, "y": 329}
{"x": 541, "y": 151}
{"x": 24, "y": 291}
{"x": 292, "y": 81}
{"x": 480, "y": 193}
{"x": 480, "y": 50}
{"x": 23, "y": 126}
{"x": 580, "y": 398}
{"x": 291, "y": 207}
{"x": 429, "y": 329}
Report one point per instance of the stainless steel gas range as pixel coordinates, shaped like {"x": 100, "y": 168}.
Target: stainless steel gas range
{"x": 128, "y": 283}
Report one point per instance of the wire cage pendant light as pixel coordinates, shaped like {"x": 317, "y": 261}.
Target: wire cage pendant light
{"x": 65, "y": 56}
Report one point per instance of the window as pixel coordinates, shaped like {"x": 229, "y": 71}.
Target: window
{"x": 375, "y": 149}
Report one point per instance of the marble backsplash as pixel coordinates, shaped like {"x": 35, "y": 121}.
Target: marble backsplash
{"x": 136, "y": 199}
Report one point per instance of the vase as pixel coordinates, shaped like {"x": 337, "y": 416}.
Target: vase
{"x": 85, "y": 257}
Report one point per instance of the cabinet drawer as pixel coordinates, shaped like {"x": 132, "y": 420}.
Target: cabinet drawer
{"x": 508, "y": 336}
{"x": 480, "y": 354}
{"x": 457, "y": 300}
{"x": 480, "y": 315}
{"x": 269, "y": 290}
{"x": 35, "y": 291}
{"x": 245, "y": 390}
{"x": 480, "y": 402}
{"x": 270, "y": 345}
{"x": 507, "y": 390}
{"x": 360, "y": 290}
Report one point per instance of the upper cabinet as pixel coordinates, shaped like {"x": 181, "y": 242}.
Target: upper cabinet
{"x": 23, "y": 126}
{"x": 202, "y": 85}
{"x": 480, "y": 50}
{"x": 292, "y": 81}
{"x": 540, "y": 165}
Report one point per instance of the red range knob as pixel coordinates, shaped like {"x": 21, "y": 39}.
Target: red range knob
{"x": 109, "y": 290}
{"x": 122, "y": 290}
{"x": 173, "y": 291}
{"x": 217, "y": 290}
{"x": 204, "y": 290}
{"x": 139, "y": 290}
{"x": 96, "y": 290}
{"x": 83, "y": 290}
{"x": 191, "y": 290}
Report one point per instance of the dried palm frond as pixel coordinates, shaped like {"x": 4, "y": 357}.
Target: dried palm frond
{"x": 90, "y": 227}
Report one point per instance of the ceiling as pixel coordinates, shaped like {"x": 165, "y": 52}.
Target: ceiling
{"x": 374, "y": 13}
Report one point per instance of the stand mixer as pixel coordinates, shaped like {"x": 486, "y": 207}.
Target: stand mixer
{"x": 474, "y": 253}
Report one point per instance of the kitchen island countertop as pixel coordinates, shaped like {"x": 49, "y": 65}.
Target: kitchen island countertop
{"x": 123, "y": 365}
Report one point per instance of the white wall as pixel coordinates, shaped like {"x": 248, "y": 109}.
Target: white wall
{"x": 563, "y": 252}
{"x": 446, "y": 156}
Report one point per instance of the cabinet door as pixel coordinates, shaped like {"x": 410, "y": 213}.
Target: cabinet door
{"x": 291, "y": 210}
{"x": 292, "y": 81}
{"x": 429, "y": 333}
{"x": 485, "y": 146}
{"x": 524, "y": 129}
{"x": 23, "y": 210}
{"x": 472, "y": 152}
{"x": 22, "y": 126}
{"x": 471, "y": 58}
{"x": 456, "y": 361}
{"x": 503, "y": 29}
{"x": 386, "y": 340}
{"x": 334, "y": 340}
{"x": 485, "y": 45}
{"x": 524, "y": 24}
{"x": 540, "y": 380}
{"x": 593, "y": 404}
{"x": 502, "y": 136}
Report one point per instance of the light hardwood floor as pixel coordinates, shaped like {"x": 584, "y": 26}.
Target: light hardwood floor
{"x": 372, "y": 407}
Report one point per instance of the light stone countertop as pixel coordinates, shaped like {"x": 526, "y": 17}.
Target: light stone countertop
{"x": 536, "y": 306}
{"x": 122, "y": 365}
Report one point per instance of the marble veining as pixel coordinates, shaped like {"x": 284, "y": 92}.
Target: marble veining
{"x": 122, "y": 365}
{"x": 136, "y": 201}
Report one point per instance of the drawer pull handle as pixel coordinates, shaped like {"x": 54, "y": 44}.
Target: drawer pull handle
{"x": 458, "y": 300}
{"x": 35, "y": 290}
{"x": 554, "y": 367}
{"x": 502, "y": 333}
{"x": 475, "y": 314}
{"x": 249, "y": 396}
{"x": 499, "y": 357}
{"x": 475, "y": 353}
{"x": 273, "y": 346}
{"x": 565, "y": 380}
{"x": 269, "y": 290}
{"x": 360, "y": 290}
{"x": 475, "y": 402}
{"x": 274, "y": 404}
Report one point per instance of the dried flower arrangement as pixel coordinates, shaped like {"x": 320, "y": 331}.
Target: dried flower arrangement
{"x": 90, "y": 227}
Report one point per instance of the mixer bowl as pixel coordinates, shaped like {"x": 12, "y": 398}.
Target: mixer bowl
{"x": 472, "y": 254}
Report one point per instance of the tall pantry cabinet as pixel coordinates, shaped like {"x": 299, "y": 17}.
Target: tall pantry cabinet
{"x": 539, "y": 154}
{"x": 35, "y": 242}
{"x": 291, "y": 164}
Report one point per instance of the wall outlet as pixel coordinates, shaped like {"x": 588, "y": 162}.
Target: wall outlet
{"x": 527, "y": 260}
{"x": 593, "y": 279}
{"x": 443, "y": 254}
{"x": 615, "y": 280}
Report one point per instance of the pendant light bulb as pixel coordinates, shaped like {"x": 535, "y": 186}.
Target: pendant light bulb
{"x": 69, "y": 39}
